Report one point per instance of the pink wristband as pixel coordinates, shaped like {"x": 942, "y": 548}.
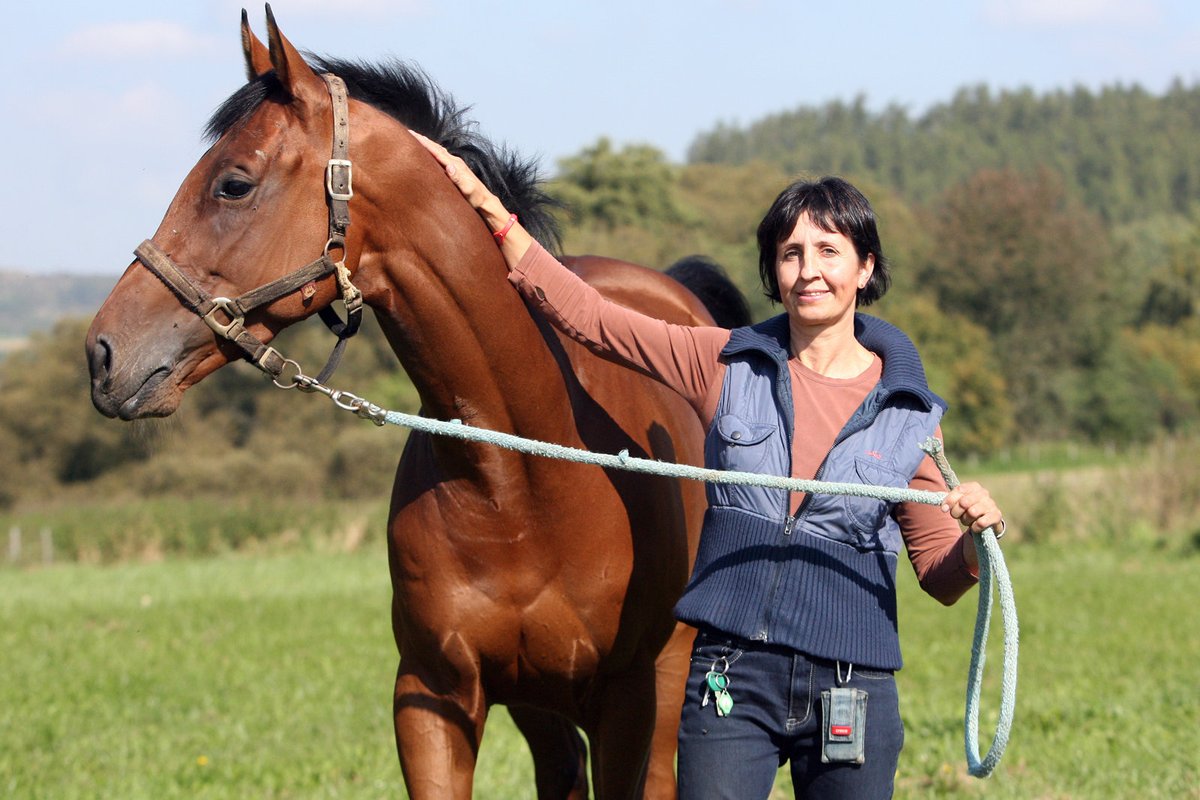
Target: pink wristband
{"x": 500, "y": 234}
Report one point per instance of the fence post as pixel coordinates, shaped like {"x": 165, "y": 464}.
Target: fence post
{"x": 47, "y": 546}
{"x": 14, "y": 544}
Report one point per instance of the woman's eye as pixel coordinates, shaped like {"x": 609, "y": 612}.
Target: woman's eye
{"x": 234, "y": 188}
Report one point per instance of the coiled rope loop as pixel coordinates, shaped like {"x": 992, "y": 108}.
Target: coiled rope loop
{"x": 993, "y": 572}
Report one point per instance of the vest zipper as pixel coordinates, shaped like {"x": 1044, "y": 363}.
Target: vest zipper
{"x": 776, "y": 573}
{"x": 793, "y": 521}
{"x": 854, "y": 424}
{"x": 789, "y": 525}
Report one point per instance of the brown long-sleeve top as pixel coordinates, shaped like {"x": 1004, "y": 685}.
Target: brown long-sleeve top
{"x": 687, "y": 359}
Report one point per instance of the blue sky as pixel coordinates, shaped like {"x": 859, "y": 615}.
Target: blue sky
{"x": 105, "y": 102}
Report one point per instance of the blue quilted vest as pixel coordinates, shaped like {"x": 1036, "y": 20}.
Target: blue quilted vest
{"x": 821, "y": 582}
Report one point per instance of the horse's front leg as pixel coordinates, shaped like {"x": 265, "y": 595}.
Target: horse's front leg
{"x": 559, "y": 753}
{"x": 437, "y": 735}
{"x": 621, "y": 730}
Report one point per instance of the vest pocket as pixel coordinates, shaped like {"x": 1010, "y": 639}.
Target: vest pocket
{"x": 744, "y": 444}
{"x": 867, "y": 514}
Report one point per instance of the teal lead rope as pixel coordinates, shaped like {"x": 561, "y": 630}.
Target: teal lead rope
{"x": 992, "y": 570}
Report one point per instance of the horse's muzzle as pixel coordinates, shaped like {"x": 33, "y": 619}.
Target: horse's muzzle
{"x": 112, "y": 397}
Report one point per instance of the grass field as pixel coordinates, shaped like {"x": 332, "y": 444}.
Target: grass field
{"x": 270, "y": 677}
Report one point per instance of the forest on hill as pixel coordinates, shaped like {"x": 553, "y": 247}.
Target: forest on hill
{"x": 1122, "y": 152}
{"x": 1046, "y": 260}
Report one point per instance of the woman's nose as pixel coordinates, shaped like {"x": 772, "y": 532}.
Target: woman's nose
{"x": 808, "y": 268}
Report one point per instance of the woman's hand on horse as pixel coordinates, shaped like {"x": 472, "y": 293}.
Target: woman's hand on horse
{"x": 514, "y": 239}
{"x": 460, "y": 175}
{"x": 479, "y": 196}
{"x": 974, "y": 507}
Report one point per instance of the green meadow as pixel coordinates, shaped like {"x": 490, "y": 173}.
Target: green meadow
{"x": 269, "y": 676}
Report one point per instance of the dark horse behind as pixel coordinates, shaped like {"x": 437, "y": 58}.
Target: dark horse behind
{"x": 543, "y": 586}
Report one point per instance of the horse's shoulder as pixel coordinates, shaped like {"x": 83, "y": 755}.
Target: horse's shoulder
{"x": 641, "y": 288}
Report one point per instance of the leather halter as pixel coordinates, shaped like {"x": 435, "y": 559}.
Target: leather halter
{"x": 227, "y": 316}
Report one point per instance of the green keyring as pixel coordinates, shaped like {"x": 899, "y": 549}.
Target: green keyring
{"x": 717, "y": 681}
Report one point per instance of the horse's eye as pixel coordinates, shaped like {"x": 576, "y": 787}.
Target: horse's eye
{"x": 233, "y": 187}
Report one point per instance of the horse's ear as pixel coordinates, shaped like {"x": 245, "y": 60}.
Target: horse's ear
{"x": 294, "y": 73}
{"x": 258, "y": 58}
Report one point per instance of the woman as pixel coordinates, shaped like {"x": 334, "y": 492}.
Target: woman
{"x": 793, "y": 596}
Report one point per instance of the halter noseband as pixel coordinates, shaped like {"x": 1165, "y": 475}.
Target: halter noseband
{"x": 226, "y": 317}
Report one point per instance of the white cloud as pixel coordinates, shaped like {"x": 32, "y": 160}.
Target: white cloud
{"x": 135, "y": 40}
{"x": 1061, "y": 13}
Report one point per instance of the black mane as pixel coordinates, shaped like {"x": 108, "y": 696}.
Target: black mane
{"x": 404, "y": 92}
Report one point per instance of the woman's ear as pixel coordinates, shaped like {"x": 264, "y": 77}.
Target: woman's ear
{"x": 866, "y": 271}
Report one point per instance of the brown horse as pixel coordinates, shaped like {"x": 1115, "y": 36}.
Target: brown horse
{"x": 540, "y": 585}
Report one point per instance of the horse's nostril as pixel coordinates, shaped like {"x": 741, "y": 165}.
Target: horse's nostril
{"x": 100, "y": 359}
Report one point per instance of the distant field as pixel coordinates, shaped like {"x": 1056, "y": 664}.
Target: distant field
{"x": 30, "y": 302}
{"x": 270, "y": 677}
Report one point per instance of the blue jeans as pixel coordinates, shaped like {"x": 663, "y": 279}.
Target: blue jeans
{"x": 775, "y": 719}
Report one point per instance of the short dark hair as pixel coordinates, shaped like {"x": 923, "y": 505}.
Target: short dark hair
{"x": 834, "y": 205}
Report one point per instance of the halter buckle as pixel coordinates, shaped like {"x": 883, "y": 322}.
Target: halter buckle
{"x": 339, "y": 164}
{"x": 227, "y": 330}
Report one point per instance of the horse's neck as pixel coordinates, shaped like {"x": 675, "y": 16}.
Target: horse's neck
{"x": 470, "y": 346}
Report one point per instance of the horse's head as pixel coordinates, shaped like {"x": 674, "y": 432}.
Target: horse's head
{"x": 222, "y": 275}
{"x": 248, "y": 216}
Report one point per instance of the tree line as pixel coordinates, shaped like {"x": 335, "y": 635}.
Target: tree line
{"x": 1046, "y": 257}
{"x": 1123, "y": 152}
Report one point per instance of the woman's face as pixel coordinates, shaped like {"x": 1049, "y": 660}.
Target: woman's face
{"x": 819, "y": 274}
